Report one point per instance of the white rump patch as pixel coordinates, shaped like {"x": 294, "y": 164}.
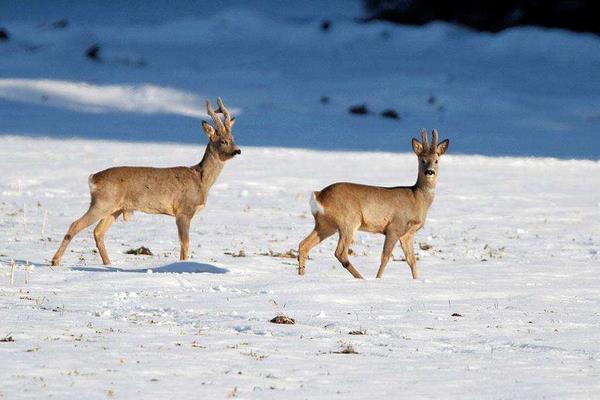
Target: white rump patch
{"x": 91, "y": 183}
{"x": 315, "y": 206}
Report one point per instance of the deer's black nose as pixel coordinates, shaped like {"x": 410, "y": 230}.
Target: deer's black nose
{"x": 429, "y": 172}
{"x": 237, "y": 151}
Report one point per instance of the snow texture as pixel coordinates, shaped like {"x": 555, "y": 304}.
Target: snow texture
{"x": 525, "y": 91}
{"x": 508, "y": 303}
{"x": 514, "y": 251}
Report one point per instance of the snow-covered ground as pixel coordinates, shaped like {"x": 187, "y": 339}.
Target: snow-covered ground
{"x": 514, "y": 251}
{"x": 515, "y": 241}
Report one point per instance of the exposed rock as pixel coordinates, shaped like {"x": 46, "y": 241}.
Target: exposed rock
{"x": 283, "y": 319}
{"x": 140, "y": 251}
{"x": 4, "y": 35}
{"x": 390, "y": 113}
{"x": 359, "y": 109}
{"x": 491, "y": 15}
{"x": 326, "y": 25}
{"x": 93, "y": 52}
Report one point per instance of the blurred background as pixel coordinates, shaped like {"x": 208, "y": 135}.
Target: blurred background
{"x": 518, "y": 78}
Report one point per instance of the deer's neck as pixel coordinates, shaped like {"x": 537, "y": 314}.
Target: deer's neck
{"x": 424, "y": 192}
{"x": 209, "y": 168}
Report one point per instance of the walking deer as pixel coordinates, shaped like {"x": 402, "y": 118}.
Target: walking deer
{"x": 396, "y": 212}
{"x": 179, "y": 191}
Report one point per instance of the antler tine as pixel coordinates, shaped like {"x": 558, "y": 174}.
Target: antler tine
{"x": 224, "y": 110}
{"x": 434, "y": 133}
{"x": 215, "y": 117}
{"x": 424, "y": 140}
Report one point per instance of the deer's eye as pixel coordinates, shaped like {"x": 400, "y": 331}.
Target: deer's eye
{"x": 223, "y": 141}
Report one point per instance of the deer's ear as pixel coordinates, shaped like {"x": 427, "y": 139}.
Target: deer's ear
{"x": 231, "y": 122}
{"x": 417, "y": 147}
{"x": 209, "y": 130}
{"x": 442, "y": 147}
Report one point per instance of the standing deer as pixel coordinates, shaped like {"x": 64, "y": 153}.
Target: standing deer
{"x": 178, "y": 191}
{"x": 396, "y": 212}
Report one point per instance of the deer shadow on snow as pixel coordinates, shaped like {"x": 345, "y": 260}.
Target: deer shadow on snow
{"x": 181, "y": 267}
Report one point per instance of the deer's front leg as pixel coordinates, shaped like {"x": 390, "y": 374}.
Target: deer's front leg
{"x": 183, "y": 228}
{"x": 409, "y": 253}
{"x": 388, "y": 246}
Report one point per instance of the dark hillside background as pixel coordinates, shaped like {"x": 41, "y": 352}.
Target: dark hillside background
{"x": 491, "y": 15}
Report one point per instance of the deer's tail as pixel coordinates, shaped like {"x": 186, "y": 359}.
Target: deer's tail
{"x": 315, "y": 206}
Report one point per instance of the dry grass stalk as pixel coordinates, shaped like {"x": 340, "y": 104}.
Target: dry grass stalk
{"x": 7, "y": 338}
{"x": 358, "y": 332}
{"x": 27, "y": 273}
{"x": 346, "y": 348}
{"x": 288, "y": 254}
{"x": 241, "y": 253}
{"x": 12, "y": 271}
{"x": 44, "y": 223}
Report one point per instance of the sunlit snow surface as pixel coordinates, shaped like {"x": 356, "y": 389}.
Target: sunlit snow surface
{"x": 514, "y": 251}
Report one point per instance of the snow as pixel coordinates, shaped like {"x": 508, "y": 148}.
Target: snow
{"x": 507, "y": 305}
{"x": 84, "y": 97}
{"x": 522, "y": 92}
{"x": 517, "y": 260}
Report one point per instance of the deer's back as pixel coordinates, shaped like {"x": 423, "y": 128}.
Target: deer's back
{"x": 363, "y": 195}
{"x": 372, "y": 207}
{"x": 147, "y": 189}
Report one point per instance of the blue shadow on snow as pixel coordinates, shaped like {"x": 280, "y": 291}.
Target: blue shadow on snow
{"x": 189, "y": 267}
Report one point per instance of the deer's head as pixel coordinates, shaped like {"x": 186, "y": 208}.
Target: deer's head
{"x": 220, "y": 137}
{"x": 429, "y": 155}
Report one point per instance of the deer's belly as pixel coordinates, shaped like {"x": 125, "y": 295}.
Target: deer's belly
{"x": 165, "y": 209}
{"x": 146, "y": 203}
{"x": 156, "y": 210}
{"x": 373, "y": 227}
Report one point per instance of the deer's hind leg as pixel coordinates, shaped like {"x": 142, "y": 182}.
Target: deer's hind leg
{"x": 343, "y": 247}
{"x": 103, "y": 226}
{"x": 322, "y": 231}
{"x": 92, "y": 215}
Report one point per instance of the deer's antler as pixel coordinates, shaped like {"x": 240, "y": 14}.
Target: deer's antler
{"x": 434, "y": 133}
{"x": 218, "y": 123}
{"x": 225, "y": 112}
{"x": 424, "y": 140}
